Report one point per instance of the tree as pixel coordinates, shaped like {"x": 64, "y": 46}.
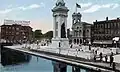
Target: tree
{"x": 48, "y": 34}
{"x": 38, "y": 34}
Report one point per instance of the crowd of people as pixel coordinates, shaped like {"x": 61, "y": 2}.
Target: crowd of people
{"x": 99, "y": 57}
{"x": 111, "y": 61}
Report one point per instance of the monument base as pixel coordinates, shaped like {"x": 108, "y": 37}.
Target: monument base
{"x": 64, "y": 43}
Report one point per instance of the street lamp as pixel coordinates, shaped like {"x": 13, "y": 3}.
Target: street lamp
{"x": 59, "y": 46}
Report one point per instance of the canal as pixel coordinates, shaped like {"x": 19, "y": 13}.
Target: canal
{"x": 13, "y": 61}
{"x": 34, "y": 65}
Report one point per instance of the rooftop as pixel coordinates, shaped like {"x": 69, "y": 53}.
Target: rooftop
{"x": 107, "y": 20}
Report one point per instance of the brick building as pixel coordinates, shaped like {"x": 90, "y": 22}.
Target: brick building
{"x": 105, "y": 31}
{"x": 16, "y": 32}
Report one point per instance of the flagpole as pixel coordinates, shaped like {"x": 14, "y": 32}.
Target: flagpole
{"x": 76, "y": 6}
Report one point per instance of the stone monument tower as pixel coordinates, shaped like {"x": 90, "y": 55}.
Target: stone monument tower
{"x": 60, "y": 14}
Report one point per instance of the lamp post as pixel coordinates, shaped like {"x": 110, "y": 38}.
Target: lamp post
{"x": 59, "y": 46}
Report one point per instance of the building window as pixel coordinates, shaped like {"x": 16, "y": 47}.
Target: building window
{"x": 13, "y": 28}
{"x": 80, "y": 31}
{"x": 77, "y": 33}
{"x": 105, "y": 25}
{"x": 9, "y": 27}
{"x": 17, "y": 28}
{"x": 114, "y": 25}
{"x": 17, "y": 33}
{"x": 77, "y": 27}
{"x": 87, "y": 30}
{"x": 23, "y": 33}
{"x": 101, "y": 26}
{"x": 109, "y": 25}
{"x": 118, "y": 25}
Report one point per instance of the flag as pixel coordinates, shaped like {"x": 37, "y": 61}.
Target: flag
{"x": 78, "y": 6}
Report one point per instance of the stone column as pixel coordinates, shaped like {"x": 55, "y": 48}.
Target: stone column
{"x": 54, "y": 26}
{"x": 66, "y": 26}
{"x": 59, "y": 27}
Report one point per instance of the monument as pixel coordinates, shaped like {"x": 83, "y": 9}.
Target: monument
{"x": 60, "y": 14}
{"x": 60, "y": 40}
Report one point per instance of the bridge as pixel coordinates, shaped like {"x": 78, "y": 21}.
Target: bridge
{"x": 61, "y": 59}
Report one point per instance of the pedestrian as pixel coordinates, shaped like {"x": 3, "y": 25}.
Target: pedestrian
{"x": 71, "y": 46}
{"x": 95, "y": 58}
{"x": 111, "y": 53}
{"x": 89, "y": 47}
{"x": 111, "y": 60}
{"x": 114, "y": 66}
{"x": 59, "y": 44}
{"x": 100, "y": 57}
{"x": 93, "y": 51}
{"x": 106, "y": 58}
{"x": 96, "y": 52}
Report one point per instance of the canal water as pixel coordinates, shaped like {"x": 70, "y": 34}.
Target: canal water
{"x": 12, "y": 61}
{"x": 34, "y": 65}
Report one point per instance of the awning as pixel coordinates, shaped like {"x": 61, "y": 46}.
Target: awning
{"x": 102, "y": 42}
{"x": 116, "y": 38}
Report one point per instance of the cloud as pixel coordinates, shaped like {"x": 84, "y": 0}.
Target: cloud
{"x": 33, "y": 6}
{"x": 92, "y": 9}
{"x": 115, "y": 6}
{"x": 96, "y": 7}
{"x": 85, "y": 4}
{"x": 5, "y": 11}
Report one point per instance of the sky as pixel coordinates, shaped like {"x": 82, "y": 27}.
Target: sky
{"x": 39, "y": 13}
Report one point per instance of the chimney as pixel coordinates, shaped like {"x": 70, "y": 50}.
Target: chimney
{"x": 106, "y": 18}
{"x": 96, "y": 20}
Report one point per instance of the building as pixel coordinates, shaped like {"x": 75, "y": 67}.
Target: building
{"x": 105, "y": 31}
{"x": 81, "y": 31}
{"x": 69, "y": 35}
{"x": 15, "y": 32}
{"x": 0, "y": 32}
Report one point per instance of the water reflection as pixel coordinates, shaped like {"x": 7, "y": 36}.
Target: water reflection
{"x": 42, "y": 65}
{"x": 13, "y": 61}
{"x": 11, "y": 57}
